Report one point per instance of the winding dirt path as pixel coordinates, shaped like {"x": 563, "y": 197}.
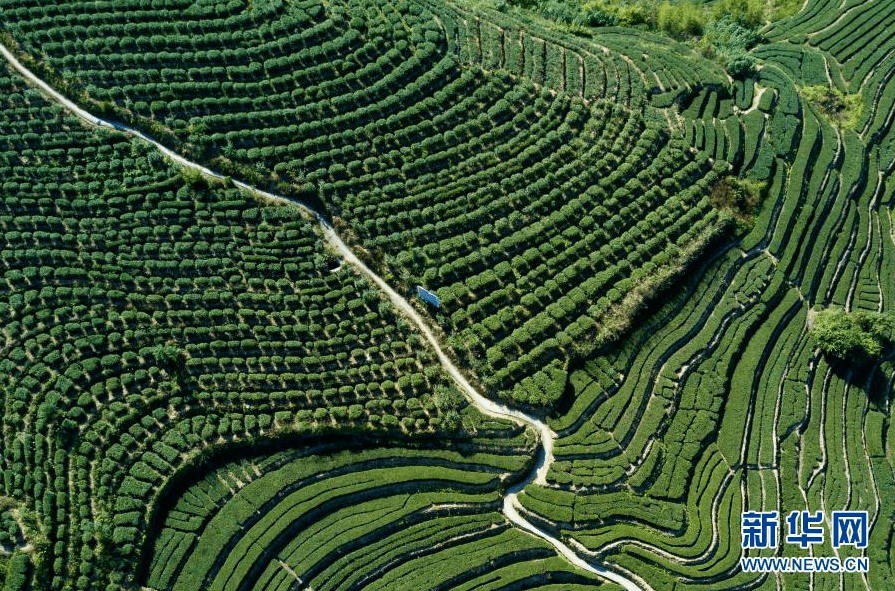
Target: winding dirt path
{"x": 546, "y": 435}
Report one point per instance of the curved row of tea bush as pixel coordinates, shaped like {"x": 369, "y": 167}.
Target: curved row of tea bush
{"x": 364, "y": 518}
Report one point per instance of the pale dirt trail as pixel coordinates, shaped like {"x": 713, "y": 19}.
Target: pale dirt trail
{"x": 546, "y": 435}
{"x": 488, "y": 407}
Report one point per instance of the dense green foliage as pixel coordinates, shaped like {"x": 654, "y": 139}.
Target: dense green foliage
{"x": 723, "y": 31}
{"x": 731, "y": 40}
{"x": 16, "y": 573}
{"x": 682, "y": 18}
{"x": 739, "y": 197}
{"x": 853, "y": 336}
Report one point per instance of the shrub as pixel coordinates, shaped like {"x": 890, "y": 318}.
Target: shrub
{"x": 845, "y": 110}
{"x": 17, "y": 573}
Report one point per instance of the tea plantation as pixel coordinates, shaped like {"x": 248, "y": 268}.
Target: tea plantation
{"x": 631, "y": 237}
{"x": 351, "y": 518}
{"x": 510, "y": 201}
{"x": 149, "y": 320}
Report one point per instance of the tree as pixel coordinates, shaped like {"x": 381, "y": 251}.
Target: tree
{"x": 748, "y": 13}
{"x": 857, "y": 336}
{"x": 730, "y": 38}
{"x": 681, "y": 19}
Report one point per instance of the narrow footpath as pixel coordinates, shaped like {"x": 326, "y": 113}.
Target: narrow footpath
{"x": 546, "y": 435}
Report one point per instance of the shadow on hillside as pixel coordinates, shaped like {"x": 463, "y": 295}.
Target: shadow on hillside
{"x": 660, "y": 308}
{"x": 875, "y": 379}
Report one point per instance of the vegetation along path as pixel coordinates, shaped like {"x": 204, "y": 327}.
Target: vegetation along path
{"x": 484, "y": 405}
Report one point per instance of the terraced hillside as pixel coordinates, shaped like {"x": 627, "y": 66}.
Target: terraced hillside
{"x": 544, "y": 185}
{"x": 357, "y": 518}
{"x": 722, "y": 402}
{"x": 542, "y": 221}
{"x": 149, "y": 319}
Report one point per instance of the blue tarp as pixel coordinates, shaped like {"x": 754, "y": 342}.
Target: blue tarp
{"x": 428, "y": 296}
